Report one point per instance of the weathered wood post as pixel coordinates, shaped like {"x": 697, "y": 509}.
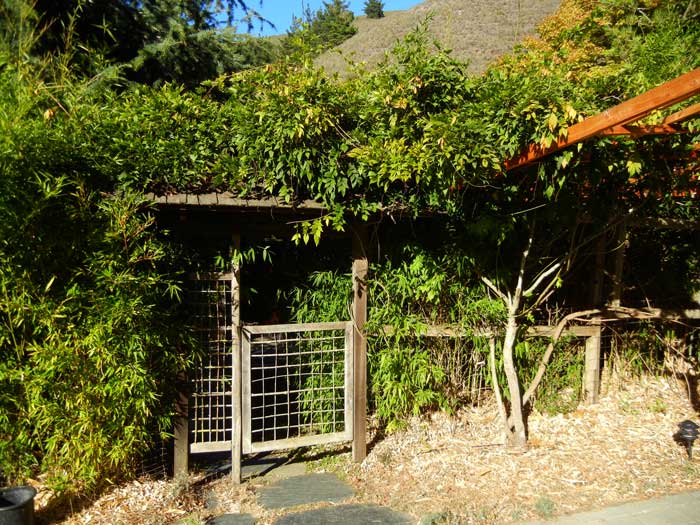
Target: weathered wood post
{"x": 620, "y": 246}
{"x": 360, "y": 267}
{"x": 236, "y": 372}
{"x": 181, "y": 429}
{"x": 592, "y": 367}
{"x": 593, "y": 342}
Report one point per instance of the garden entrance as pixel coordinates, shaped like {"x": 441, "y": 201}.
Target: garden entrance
{"x": 297, "y": 384}
{"x": 295, "y": 380}
{"x": 264, "y": 387}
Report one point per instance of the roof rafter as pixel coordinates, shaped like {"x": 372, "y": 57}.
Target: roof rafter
{"x": 641, "y": 131}
{"x": 627, "y": 112}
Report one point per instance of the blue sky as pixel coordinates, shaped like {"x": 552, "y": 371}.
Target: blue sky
{"x": 280, "y": 12}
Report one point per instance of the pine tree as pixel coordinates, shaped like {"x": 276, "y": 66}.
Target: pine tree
{"x": 374, "y": 8}
{"x": 326, "y": 28}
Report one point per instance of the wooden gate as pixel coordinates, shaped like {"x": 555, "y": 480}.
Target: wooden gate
{"x": 309, "y": 389}
{"x": 284, "y": 386}
{"x": 297, "y": 385}
{"x": 261, "y": 388}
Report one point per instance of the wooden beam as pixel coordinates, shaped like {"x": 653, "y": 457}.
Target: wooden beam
{"x": 641, "y": 131}
{"x": 663, "y": 96}
{"x": 683, "y": 114}
{"x": 571, "y": 331}
{"x": 360, "y": 268}
{"x": 652, "y": 313}
{"x": 237, "y": 370}
{"x": 230, "y": 200}
{"x": 450, "y": 331}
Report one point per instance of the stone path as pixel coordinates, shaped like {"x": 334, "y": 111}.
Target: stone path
{"x": 304, "y": 490}
{"x": 347, "y": 515}
{"x": 292, "y": 490}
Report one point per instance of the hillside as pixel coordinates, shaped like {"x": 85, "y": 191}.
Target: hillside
{"x": 478, "y": 31}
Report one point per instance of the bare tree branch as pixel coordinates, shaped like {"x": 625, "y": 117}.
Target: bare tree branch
{"x": 494, "y": 289}
{"x": 550, "y": 349}
{"x": 541, "y": 278}
{"x": 515, "y": 303}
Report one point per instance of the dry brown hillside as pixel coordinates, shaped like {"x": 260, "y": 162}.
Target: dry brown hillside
{"x": 478, "y": 31}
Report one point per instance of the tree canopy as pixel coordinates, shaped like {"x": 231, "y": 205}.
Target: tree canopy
{"x": 185, "y": 41}
{"x": 329, "y": 26}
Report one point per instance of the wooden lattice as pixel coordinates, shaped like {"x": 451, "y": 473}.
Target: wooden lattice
{"x": 211, "y": 400}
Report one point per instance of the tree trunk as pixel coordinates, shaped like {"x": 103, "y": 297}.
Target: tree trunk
{"x": 517, "y": 433}
{"x": 497, "y": 391}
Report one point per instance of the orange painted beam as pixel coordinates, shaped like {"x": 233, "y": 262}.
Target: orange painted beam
{"x": 640, "y": 131}
{"x": 683, "y": 114}
{"x": 667, "y": 94}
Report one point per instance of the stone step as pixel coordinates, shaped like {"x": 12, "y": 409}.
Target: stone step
{"x": 304, "y": 490}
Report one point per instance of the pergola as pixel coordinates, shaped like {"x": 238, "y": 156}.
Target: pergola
{"x": 623, "y": 120}
{"x": 269, "y": 214}
{"x": 235, "y": 217}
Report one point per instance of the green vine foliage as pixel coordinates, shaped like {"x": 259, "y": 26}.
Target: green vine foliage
{"x": 410, "y": 372}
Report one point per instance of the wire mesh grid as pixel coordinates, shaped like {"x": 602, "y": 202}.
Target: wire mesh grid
{"x": 296, "y": 383}
{"x": 211, "y": 412}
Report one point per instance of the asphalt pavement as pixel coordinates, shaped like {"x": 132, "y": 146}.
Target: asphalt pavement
{"x": 678, "y": 509}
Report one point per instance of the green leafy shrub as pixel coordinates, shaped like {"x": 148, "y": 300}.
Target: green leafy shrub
{"x": 561, "y": 390}
{"x": 90, "y": 338}
{"x": 408, "y": 371}
{"x": 89, "y": 361}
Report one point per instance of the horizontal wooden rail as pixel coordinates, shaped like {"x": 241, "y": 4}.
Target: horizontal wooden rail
{"x": 683, "y": 115}
{"x": 457, "y": 331}
{"x": 621, "y": 313}
{"x": 299, "y": 327}
{"x": 230, "y": 200}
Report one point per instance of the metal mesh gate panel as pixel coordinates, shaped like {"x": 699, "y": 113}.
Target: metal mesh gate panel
{"x": 210, "y": 298}
{"x": 297, "y": 385}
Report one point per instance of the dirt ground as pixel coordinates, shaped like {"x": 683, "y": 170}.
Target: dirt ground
{"x": 455, "y": 469}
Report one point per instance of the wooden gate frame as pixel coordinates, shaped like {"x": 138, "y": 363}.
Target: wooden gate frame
{"x": 346, "y": 435}
{"x": 360, "y": 267}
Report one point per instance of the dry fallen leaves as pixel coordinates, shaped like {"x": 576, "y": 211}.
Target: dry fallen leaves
{"x": 618, "y": 450}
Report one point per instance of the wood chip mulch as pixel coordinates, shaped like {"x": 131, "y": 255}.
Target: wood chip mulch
{"x": 456, "y": 469}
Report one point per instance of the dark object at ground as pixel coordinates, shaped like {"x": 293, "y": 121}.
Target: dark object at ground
{"x": 686, "y": 435}
{"x": 17, "y": 506}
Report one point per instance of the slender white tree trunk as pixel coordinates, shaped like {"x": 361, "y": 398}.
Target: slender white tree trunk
{"x": 517, "y": 431}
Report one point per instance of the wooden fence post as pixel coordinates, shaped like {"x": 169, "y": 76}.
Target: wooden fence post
{"x": 620, "y": 246}
{"x": 591, "y": 376}
{"x": 360, "y": 267}
{"x": 592, "y": 367}
{"x": 181, "y": 430}
{"x": 236, "y": 373}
